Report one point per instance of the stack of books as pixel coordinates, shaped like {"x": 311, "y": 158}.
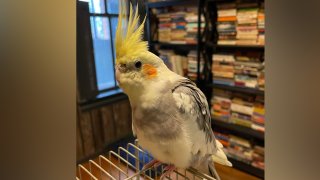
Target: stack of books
{"x": 186, "y": 66}
{"x": 247, "y": 28}
{"x": 178, "y": 25}
{"x": 258, "y": 157}
{"x": 164, "y": 30}
{"x": 261, "y": 25}
{"x": 244, "y": 69}
{"x": 223, "y": 69}
{"x": 247, "y": 70}
{"x": 236, "y": 108}
{"x": 174, "y": 62}
{"x": 258, "y": 116}
{"x": 241, "y": 149}
{"x": 242, "y": 110}
{"x": 241, "y": 24}
{"x": 226, "y": 25}
{"x": 221, "y": 104}
{"x": 223, "y": 138}
{"x": 193, "y": 65}
{"x": 261, "y": 79}
{"x": 192, "y": 25}
{"x": 165, "y": 56}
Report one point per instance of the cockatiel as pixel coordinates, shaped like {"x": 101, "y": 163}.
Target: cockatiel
{"x": 171, "y": 118}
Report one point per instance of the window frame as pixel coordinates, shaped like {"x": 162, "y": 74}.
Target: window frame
{"x": 112, "y": 94}
{"x": 108, "y": 15}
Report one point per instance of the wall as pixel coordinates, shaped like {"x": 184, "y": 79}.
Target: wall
{"x": 102, "y": 126}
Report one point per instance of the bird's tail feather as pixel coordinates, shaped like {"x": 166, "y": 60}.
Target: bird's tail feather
{"x": 220, "y": 157}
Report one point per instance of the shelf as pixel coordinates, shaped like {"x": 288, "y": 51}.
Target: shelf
{"x": 168, "y": 3}
{"x": 238, "y": 89}
{"x": 239, "y": 129}
{"x": 247, "y": 168}
{"x": 258, "y": 47}
{"x": 189, "y": 46}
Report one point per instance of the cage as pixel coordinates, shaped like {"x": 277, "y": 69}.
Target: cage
{"x": 127, "y": 163}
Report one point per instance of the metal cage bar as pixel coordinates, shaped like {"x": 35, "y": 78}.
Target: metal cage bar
{"x": 127, "y": 163}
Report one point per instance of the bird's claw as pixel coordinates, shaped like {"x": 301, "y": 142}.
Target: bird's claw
{"x": 154, "y": 163}
{"x": 168, "y": 170}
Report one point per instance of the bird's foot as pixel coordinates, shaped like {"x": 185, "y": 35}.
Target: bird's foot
{"x": 153, "y": 163}
{"x": 168, "y": 170}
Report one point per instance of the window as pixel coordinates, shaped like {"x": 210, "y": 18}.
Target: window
{"x": 104, "y": 19}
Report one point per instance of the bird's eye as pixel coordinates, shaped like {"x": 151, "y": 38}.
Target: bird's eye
{"x": 138, "y": 64}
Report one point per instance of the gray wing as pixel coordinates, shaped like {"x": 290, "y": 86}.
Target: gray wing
{"x": 202, "y": 110}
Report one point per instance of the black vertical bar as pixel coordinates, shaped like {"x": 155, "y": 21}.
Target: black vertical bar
{"x": 199, "y": 41}
{"x": 106, "y": 7}
{"x": 112, "y": 51}
{"x": 86, "y": 80}
{"x": 112, "y": 45}
{"x": 214, "y": 39}
{"x": 148, "y": 25}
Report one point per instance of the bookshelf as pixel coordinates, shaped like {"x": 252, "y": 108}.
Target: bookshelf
{"x": 206, "y": 46}
{"x": 212, "y": 48}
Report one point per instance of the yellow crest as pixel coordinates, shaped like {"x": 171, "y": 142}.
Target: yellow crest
{"x": 129, "y": 33}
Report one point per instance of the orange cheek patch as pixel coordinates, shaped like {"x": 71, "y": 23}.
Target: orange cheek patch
{"x": 149, "y": 70}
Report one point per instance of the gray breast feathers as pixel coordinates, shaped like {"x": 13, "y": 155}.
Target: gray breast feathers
{"x": 160, "y": 120}
{"x": 187, "y": 87}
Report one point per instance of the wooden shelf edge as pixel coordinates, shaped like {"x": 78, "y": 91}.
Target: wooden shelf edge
{"x": 210, "y": 44}
{"x": 237, "y": 88}
{"x": 247, "y": 168}
{"x": 239, "y": 129}
{"x": 168, "y": 3}
{"x": 171, "y": 44}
